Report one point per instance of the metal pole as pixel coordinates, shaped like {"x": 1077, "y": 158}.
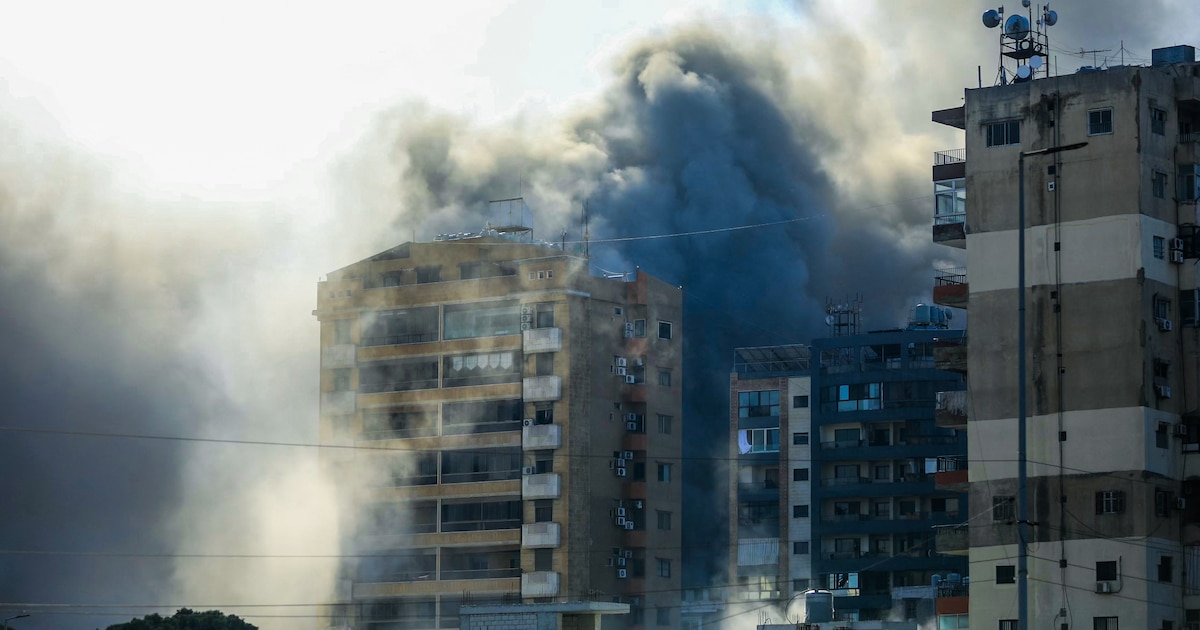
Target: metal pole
{"x": 1022, "y": 494}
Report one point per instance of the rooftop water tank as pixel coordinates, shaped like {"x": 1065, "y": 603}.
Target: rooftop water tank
{"x": 818, "y": 606}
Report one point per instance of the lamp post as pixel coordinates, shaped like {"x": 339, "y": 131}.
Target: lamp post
{"x": 1022, "y": 495}
{"x": 20, "y": 616}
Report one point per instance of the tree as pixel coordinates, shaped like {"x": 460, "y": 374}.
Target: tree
{"x": 186, "y": 619}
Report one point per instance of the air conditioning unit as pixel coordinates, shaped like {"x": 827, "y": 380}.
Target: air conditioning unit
{"x": 1177, "y": 244}
{"x": 1181, "y": 430}
{"x": 527, "y": 422}
{"x": 628, "y": 329}
{"x": 626, "y": 454}
{"x": 526, "y": 309}
{"x": 631, "y": 426}
{"x": 526, "y": 326}
{"x": 627, "y": 553}
{"x": 621, "y": 472}
{"x": 622, "y": 362}
{"x": 620, "y": 521}
{"x": 631, "y": 417}
{"x": 622, "y": 573}
{"x": 629, "y": 525}
{"x": 629, "y": 380}
{"x": 620, "y": 511}
{"x": 1103, "y": 587}
{"x": 1177, "y": 256}
{"x": 529, "y": 470}
{"x": 609, "y": 563}
{"x": 1163, "y": 391}
{"x": 620, "y": 371}
{"x": 526, "y": 318}
{"x": 611, "y": 464}
{"x": 639, "y": 361}
{"x": 1180, "y": 503}
{"x": 637, "y": 504}
{"x": 620, "y": 562}
{"x": 1164, "y": 324}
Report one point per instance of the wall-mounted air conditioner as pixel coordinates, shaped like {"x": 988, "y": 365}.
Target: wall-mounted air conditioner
{"x": 529, "y": 470}
{"x": 1177, "y": 256}
{"x": 1177, "y": 244}
{"x": 629, "y": 380}
{"x": 1163, "y": 391}
{"x": 620, "y": 562}
{"x": 620, "y": 511}
{"x": 621, "y": 472}
{"x": 620, "y": 371}
{"x": 622, "y": 362}
{"x": 1164, "y": 324}
{"x": 631, "y": 426}
{"x": 527, "y": 422}
{"x": 622, "y": 573}
{"x": 626, "y": 454}
{"x": 629, "y": 525}
{"x": 1181, "y": 430}
{"x": 637, "y": 504}
{"x": 1180, "y": 503}
{"x": 1104, "y": 587}
{"x": 627, "y": 553}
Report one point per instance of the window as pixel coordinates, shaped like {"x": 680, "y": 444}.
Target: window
{"x": 639, "y": 328}
{"x": 414, "y": 325}
{"x": 1110, "y": 502}
{"x": 543, "y": 510}
{"x": 664, "y": 330}
{"x": 883, "y": 472}
{"x": 799, "y": 511}
{"x": 800, "y": 402}
{"x": 1104, "y": 623}
{"x": 758, "y": 441}
{"x": 664, "y": 567}
{"x": 799, "y": 439}
{"x": 664, "y": 473}
{"x": 543, "y": 461}
{"x": 758, "y": 404}
{"x": 954, "y": 622}
{"x": 544, "y": 315}
{"x": 1100, "y": 121}
{"x": 1188, "y": 181}
{"x": 663, "y": 616}
{"x": 1006, "y": 574}
{"x": 429, "y": 274}
{"x": 800, "y": 585}
{"x": 1160, "y": 247}
{"x": 1161, "y": 440}
{"x": 341, "y": 331}
{"x": 664, "y": 519}
{"x": 664, "y": 377}
{"x": 543, "y": 559}
{"x": 484, "y": 319}
{"x": 398, "y": 375}
{"x": 341, "y": 379}
{"x": 1162, "y": 498}
{"x": 800, "y": 474}
{"x": 858, "y": 397}
{"x": 950, "y": 201}
{"x": 1004, "y": 509}
{"x": 664, "y": 424}
{"x": 937, "y": 505}
{"x": 1002, "y": 133}
{"x": 543, "y": 413}
{"x": 1158, "y": 120}
{"x": 800, "y": 548}
{"x": 1106, "y": 570}
{"x": 1162, "y": 308}
{"x": 1158, "y": 184}
{"x": 1165, "y": 573}
{"x": 1008, "y": 624}
{"x": 1189, "y": 307}
{"x": 544, "y": 364}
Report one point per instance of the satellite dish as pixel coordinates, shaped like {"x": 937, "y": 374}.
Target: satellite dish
{"x": 1051, "y": 18}
{"x": 1025, "y": 3}
{"x": 991, "y": 18}
{"x": 949, "y": 315}
{"x": 1023, "y": 73}
{"x": 1016, "y": 27}
{"x": 829, "y": 320}
{"x": 1035, "y": 62}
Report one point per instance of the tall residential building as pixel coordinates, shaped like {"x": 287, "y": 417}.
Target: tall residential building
{"x": 837, "y": 451}
{"x": 1111, "y": 328}
{"x": 517, "y": 431}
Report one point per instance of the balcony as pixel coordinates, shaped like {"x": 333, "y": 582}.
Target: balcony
{"x": 758, "y": 491}
{"x": 950, "y": 287}
{"x": 540, "y": 535}
{"x": 951, "y": 355}
{"x": 951, "y": 540}
{"x": 541, "y": 388}
{"x": 541, "y": 340}
{"x": 543, "y": 486}
{"x": 951, "y": 410}
{"x": 757, "y": 552}
{"x": 540, "y": 584}
{"x": 541, "y": 436}
{"x": 949, "y": 164}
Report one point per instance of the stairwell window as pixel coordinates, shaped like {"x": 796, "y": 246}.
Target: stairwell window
{"x": 1100, "y": 121}
{"x": 1006, "y": 574}
{"x": 1110, "y": 502}
{"x": 1004, "y": 509}
{"x": 1158, "y": 121}
{"x": 1004, "y": 133}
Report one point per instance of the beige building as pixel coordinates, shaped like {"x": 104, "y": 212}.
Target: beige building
{"x": 1112, "y": 333}
{"x": 516, "y": 428}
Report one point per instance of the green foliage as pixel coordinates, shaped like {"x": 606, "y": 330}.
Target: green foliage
{"x": 186, "y": 619}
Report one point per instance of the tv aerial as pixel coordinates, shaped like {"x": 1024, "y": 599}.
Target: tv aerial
{"x": 1024, "y": 41}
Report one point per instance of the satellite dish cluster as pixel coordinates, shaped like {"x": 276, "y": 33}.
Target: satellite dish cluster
{"x": 1022, "y": 40}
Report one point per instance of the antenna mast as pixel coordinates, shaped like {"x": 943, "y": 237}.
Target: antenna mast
{"x": 1024, "y": 42}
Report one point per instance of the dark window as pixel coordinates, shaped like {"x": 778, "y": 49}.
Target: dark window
{"x": 1159, "y": 247}
{"x": 1100, "y": 121}
{"x": 1165, "y": 573}
{"x": 664, "y": 567}
{"x": 1158, "y": 184}
{"x": 1162, "y": 502}
{"x": 1104, "y": 623}
{"x": 664, "y": 330}
{"x": 1162, "y": 308}
{"x": 429, "y": 274}
{"x": 413, "y": 325}
{"x": 1106, "y": 570}
{"x": 341, "y": 331}
{"x": 1162, "y": 439}
{"x": 799, "y": 402}
{"x": 543, "y": 461}
{"x": 481, "y": 515}
{"x": 937, "y": 505}
{"x": 1158, "y": 120}
{"x": 543, "y": 510}
{"x": 664, "y": 377}
{"x": 800, "y": 548}
{"x": 799, "y": 439}
{"x": 664, "y": 473}
{"x": 1006, "y": 574}
{"x": 545, "y": 316}
{"x": 800, "y": 474}
{"x": 639, "y": 328}
{"x": 1002, "y": 133}
{"x": 543, "y": 559}
{"x": 490, "y": 464}
{"x": 341, "y": 379}
{"x": 1004, "y": 509}
{"x": 399, "y": 375}
{"x": 758, "y": 404}
{"x": 664, "y": 519}
{"x": 544, "y": 364}
{"x": 799, "y": 511}
{"x": 664, "y": 424}
{"x": 1110, "y": 502}
{"x": 1007, "y": 624}
{"x": 663, "y": 616}
{"x": 1189, "y": 307}
{"x": 487, "y": 416}
{"x": 544, "y": 413}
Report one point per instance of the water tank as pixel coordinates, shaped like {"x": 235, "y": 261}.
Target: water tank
{"x": 935, "y": 581}
{"x": 921, "y": 314}
{"x": 954, "y": 578}
{"x": 818, "y": 606}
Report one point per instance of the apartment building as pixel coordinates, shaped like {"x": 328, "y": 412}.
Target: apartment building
{"x": 837, "y": 456}
{"x": 1109, "y": 187}
{"x": 515, "y": 424}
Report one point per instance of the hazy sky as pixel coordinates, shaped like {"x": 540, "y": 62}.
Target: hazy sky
{"x": 174, "y": 180}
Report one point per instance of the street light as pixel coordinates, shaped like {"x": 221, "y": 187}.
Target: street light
{"x": 1022, "y": 496}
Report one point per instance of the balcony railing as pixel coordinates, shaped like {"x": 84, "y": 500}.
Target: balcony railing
{"x": 844, "y": 481}
{"x": 480, "y": 574}
{"x": 949, "y": 156}
{"x": 1189, "y": 137}
{"x": 950, "y": 276}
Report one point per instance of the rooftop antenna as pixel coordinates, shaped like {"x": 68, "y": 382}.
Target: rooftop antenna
{"x": 586, "y": 237}
{"x": 1024, "y": 41}
{"x": 844, "y": 318}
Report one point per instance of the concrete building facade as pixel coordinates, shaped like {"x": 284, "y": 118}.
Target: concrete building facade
{"x": 1111, "y": 341}
{"x": 515, "y": 431}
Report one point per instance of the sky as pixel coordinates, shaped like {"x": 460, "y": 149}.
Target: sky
{"x": 175, "y": 180}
